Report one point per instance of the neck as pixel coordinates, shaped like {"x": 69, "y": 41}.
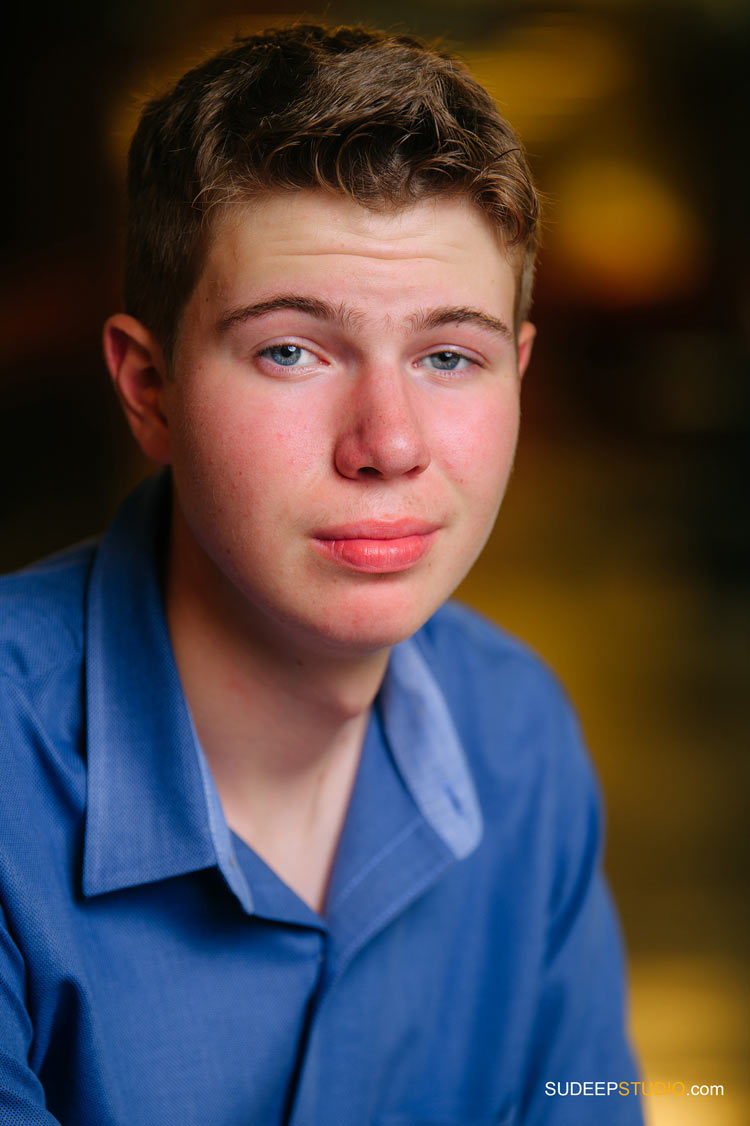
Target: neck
{"x": 280, "y": 723}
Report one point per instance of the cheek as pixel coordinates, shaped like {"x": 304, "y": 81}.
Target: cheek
{"x": 477, "y": 445}
{"x": 248, "y": 453}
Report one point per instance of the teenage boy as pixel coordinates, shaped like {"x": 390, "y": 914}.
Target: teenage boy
{"x": 286, "y": 840}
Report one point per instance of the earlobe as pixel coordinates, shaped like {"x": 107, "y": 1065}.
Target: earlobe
{"x": 526, "y": 335}
{"x": 136, "y": 364}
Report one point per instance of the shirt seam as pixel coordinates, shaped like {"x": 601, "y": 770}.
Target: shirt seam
{"x": 373, "y": 862}
{"x": 31, "y": 710}
{"x": 391, "y": 910}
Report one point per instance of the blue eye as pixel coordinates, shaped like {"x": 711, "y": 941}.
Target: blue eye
{"x": 447, "y": 361}
{"x": 286, "y": 355}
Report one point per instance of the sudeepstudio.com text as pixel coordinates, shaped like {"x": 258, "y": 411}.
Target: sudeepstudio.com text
{"x": 601, "y": 1089}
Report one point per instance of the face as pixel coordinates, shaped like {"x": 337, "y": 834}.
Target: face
{"x": 343, "y": 412}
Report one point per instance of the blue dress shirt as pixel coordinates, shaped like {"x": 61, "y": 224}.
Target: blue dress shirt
{"x": 154, "y": 971}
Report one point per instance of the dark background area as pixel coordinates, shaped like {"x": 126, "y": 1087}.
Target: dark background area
{"x": 621, "y": 552}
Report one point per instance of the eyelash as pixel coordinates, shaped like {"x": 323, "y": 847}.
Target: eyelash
{"x": 472, "y": 363}
{"x": 265, "y": 353}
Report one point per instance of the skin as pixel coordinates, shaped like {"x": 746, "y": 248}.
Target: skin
{"x": 283, "y": 423}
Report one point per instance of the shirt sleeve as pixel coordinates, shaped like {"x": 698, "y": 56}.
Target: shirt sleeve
{"x": 580, "y": 1054}
{"x": 22, "y": 1101}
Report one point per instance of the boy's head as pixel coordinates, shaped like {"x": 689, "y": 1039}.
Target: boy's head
{"x": 330, "y": 257}
{"x": 380, "y": 119}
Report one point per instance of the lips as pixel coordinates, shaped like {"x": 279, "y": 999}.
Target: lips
{"x": 377, "y": 546}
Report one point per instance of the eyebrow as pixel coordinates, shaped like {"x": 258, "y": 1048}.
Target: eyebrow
{"x": 325, "y": 311}
{"x": 460, "y": 315}
{"x": 313, "y": 306}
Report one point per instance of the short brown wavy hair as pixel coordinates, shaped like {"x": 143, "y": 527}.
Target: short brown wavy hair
{"x": 382, "y": 119}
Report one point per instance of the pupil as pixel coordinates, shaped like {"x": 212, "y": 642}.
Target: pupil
{"x": 446, "y": 359}
{"x": 285, "y": 354}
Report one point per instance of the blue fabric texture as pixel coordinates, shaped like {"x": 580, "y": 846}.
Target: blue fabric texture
{"x": 154, "y": 971}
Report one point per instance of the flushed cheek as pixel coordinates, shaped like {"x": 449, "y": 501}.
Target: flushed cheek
{"x": 284, "y": 428}
{"x": 478, "y": 454}
{"x": 212, "y": 464}
{"x": 247, "y": 443}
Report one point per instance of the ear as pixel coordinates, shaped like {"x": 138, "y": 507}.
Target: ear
{"x": 526, "y": 335}
{"x": 136, "y": 364}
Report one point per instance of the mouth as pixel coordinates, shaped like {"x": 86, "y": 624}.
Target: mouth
{"x": 377, "y": 546}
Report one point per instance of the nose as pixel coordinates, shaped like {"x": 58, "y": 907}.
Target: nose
{"x": 381, "y": 435}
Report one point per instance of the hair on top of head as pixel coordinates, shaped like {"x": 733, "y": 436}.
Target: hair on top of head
{"x": 382, "y": 119}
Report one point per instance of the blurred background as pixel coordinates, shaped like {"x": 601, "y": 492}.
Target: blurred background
{"x": 621, "y": 553}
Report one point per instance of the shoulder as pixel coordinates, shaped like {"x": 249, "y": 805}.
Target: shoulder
{"x": 42, "y": 724}
{"x": 42, "y": 626}
{"x": 472, "y": 657}
{"x": 42, "y": 614}
{"x": 513, "y": 715}
{"x": 42, "y": 720}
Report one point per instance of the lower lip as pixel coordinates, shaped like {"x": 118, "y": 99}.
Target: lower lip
{"x": 378, "y": 557}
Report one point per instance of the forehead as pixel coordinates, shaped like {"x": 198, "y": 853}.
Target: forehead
{"x": 442, "y": 249}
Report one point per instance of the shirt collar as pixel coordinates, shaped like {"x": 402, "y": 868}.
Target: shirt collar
{"x": 428, "y": 751}
{"x": 152, "y": 807}
{"x": 152, "y": 811}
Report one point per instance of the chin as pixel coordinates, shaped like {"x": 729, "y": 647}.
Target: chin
{"x": 361, "y": 626}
